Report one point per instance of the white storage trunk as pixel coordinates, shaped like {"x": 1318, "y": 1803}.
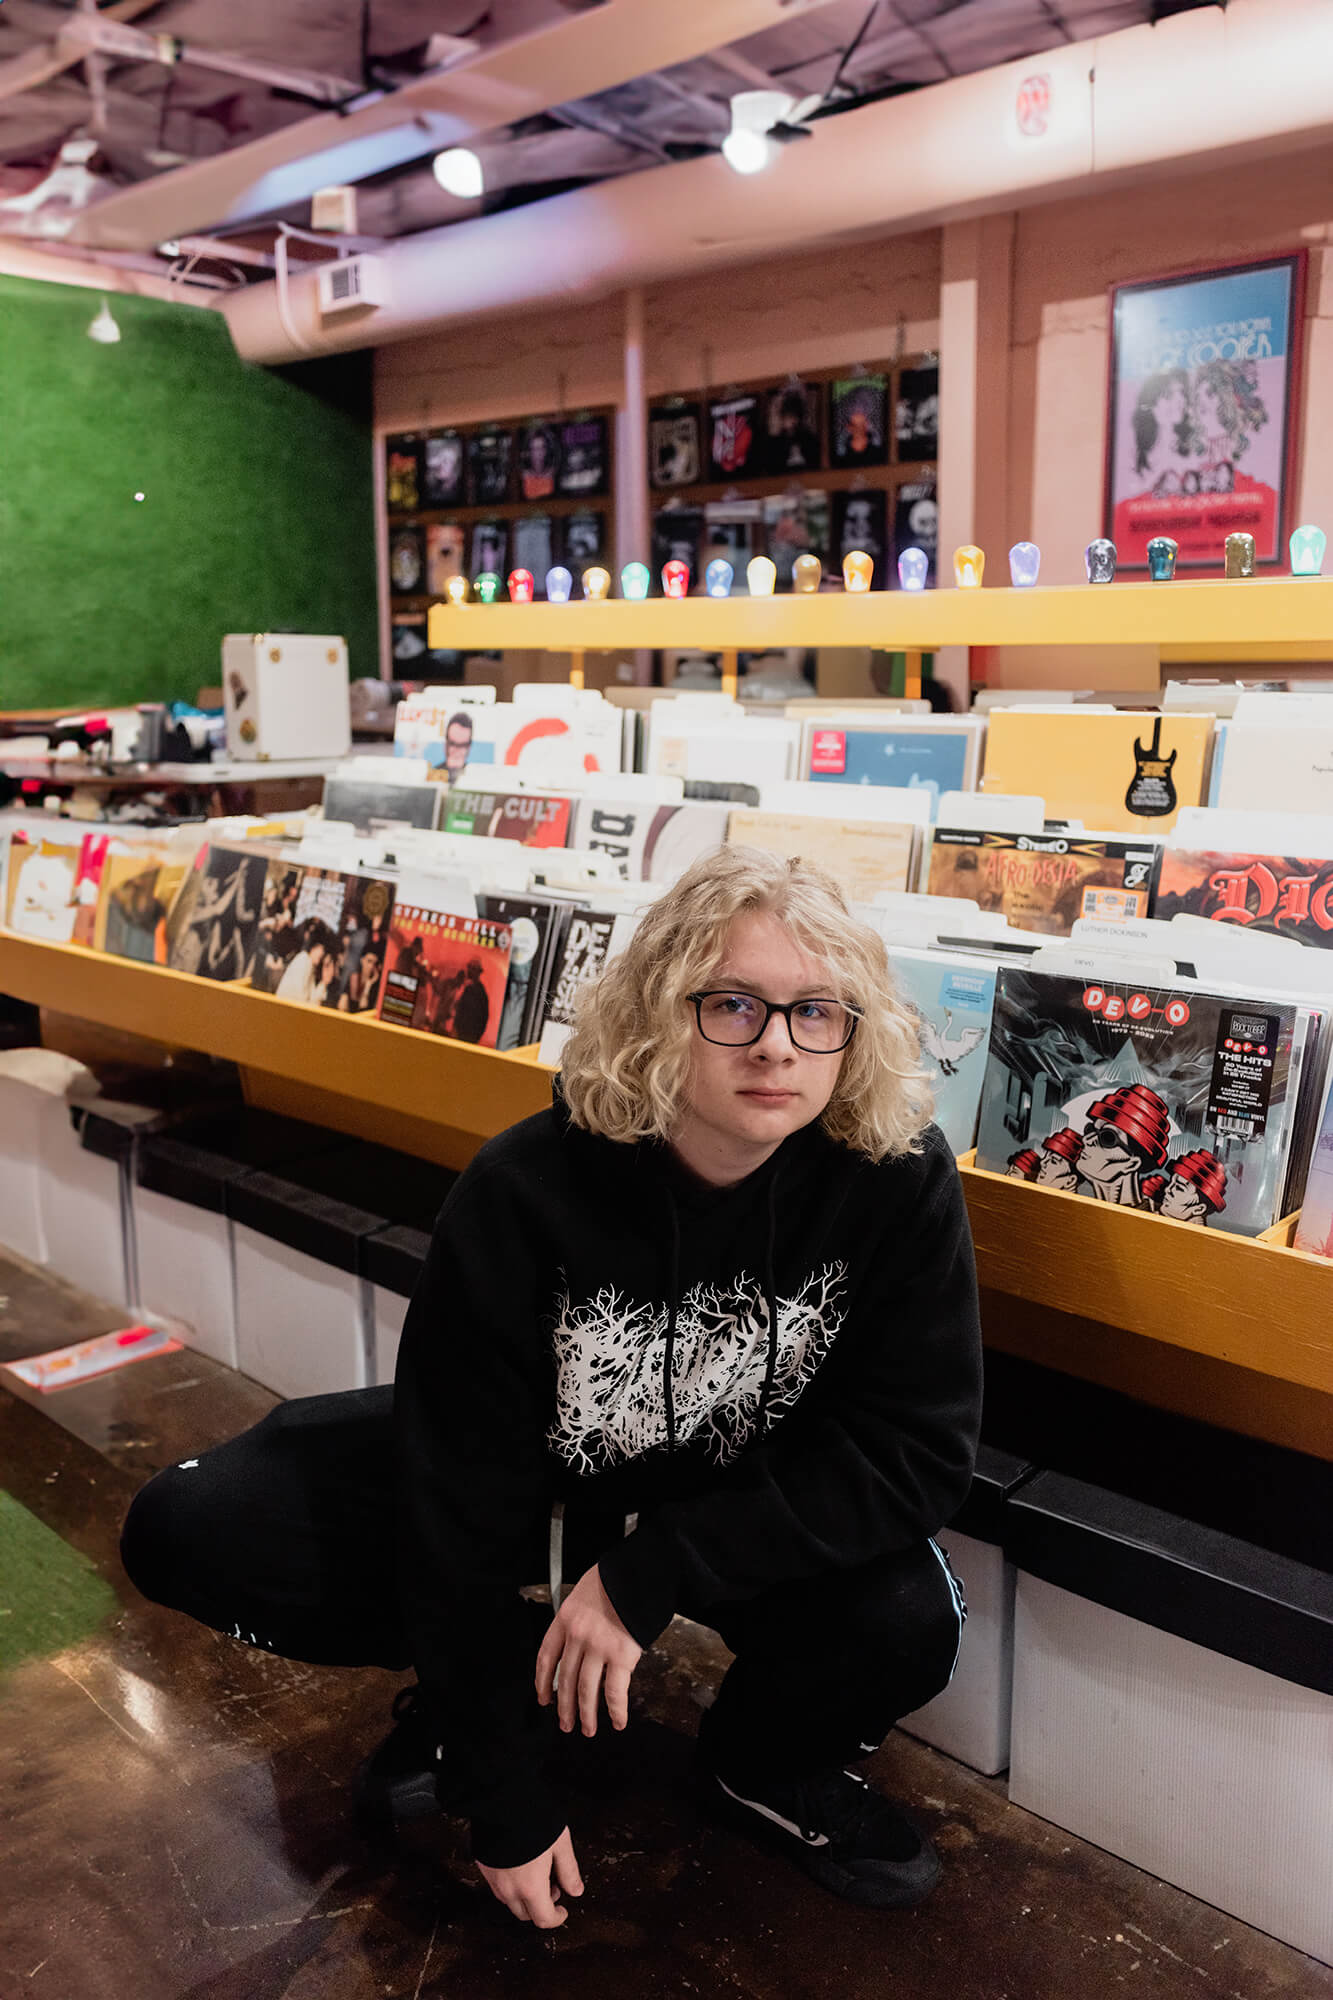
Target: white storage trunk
{"x": 87, "y": 1213}
{"x": 970, "y": 1719}
{"x": 185, "y": 1271}
{"x": 286, "y": 694}
{"x": 33, "y": 1086}
{"x": 302, "y": 1326}
{"x": 1201, "y": 1769}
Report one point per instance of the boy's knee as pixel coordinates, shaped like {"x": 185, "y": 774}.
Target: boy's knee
{"x": 156, "y": 1535}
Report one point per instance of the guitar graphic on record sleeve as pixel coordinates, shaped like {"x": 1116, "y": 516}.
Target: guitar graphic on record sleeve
{"x": 1152, "y": 791}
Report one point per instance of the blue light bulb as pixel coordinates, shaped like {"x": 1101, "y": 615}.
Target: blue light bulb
{"x": 1307, "y": 550}
{"x": 635, "y": 579}
{"x": 1162, "y": 553}
{"x": 913, "y": 569}
{"x": 1024, "y": 564}
{"x": 717, "y": 578}
{"x": 559, "y": 584}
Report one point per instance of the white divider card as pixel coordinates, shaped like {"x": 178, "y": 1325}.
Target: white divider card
{"x": 1295, "y": 707}
{"x": 1252, "y": 830}
{"x": 992, "y": 812}
{"x": 1201, "y": 697}
{"x": 747, "y": 749}
{"x": 989, "y": 699}
{"x": 451, "y": 895}
{"x": 899, "y": 804}
{"x": 631, "y": 785}
{"x": 577, "y": 868}
{"x": 1289, "y": 759}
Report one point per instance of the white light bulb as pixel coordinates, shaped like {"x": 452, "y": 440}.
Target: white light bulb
{"x": 747, "y": 152}
{"x": 459, "y": 173}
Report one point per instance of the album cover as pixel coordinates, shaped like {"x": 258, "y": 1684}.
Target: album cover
{"x": 942, "y": 758}
{"x": 538, "y": 460}
{"x": 533, "y": 923}
{"x": 446, "y": 555}
{"x": 373, "y": 805}
{"x": 88, "y": 876}
{"x": 489, "y": 465}
{"x": 138, "y": 890}
{"x": 446, "y": 975}
{"x": 858, "y": 421}
{"x": 1043, "y": 882}
{"x": 678, "y": 534}
{"x": 532, "y": 546}
{"x": 735, "y": 445}
{"x": 673, "y": 445}
{"x": 323, "y": 937}
{"x": 443, "y": 470}
{"x": 490, "y": 548}
{"x": 1174, "y": 1100}
{"x": 40, "y": 893}
{"x": 1283, "y": 894}
{"x": 916, "y": 421}
{"x": 651, "y": 843}
{"x": 860, "y": 522}
{"x": 402, "y": 473}
{"x": 583, "y": 541}
{"x": 916, "y": 517}
{"x": 792, "y": 429}
{"x": 533, "y": 818}
{"x": 1130, "y": 773}
{"x": 583, "y": 458}
{"x": 407, "y": 561}
{"x": 952, "y": 996}
{"x": 580, "y": 959}
{"x": 1314, "y": 1227}
{"x": 862, "y": 856}
{"x": 213, "y": 926}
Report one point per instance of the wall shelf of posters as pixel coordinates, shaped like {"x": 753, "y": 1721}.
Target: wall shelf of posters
{"x": 827, "y": 462}
{"x": 515, "y": 493}
{"x": 1246, "y": 1325}
{"x": 1183, "y": 618}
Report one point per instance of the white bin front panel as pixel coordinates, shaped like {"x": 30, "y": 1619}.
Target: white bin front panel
{"x": 83, "y": 1222}
{"x": 301, "y": 1326}
{"x": 1201, "y": 1770}
{"x": 185, "y": 1271}
{"x": 970, "y": 1719}
{"x": 389, "y": 1311}
{"x": 21, "y": 1113}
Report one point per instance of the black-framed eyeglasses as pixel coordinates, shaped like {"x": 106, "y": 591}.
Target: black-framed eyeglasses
{"x": 817, "y": 1027}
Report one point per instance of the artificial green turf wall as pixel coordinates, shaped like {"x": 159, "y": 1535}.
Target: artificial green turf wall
{"x": 257, "y": 512}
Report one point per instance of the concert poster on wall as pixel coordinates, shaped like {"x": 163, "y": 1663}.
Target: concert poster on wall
{"x": 916, "y": 417}
{"x": 858, "y": 420}
{"x": 584, "y": 540}
{"x": 489, "y": 459}
{"x": 1204, "y": 395}
{"x": 916, "y": 516}
{"x": 490, "y": 547}
{"x": 859, "y": 522}
{"x": 673, "y": 444}
{"x": 791, "y": 428}
{"x": 678, "y": 537}
{"x": 583, "y": 458}
{"x": 734, "y": 444}
{"x": 407, "y": 562}
{"x": 402, "y": 473}
{"x": 442, "y": 470}
{"x": 538, "y": 461}
{"x": 445, "y": 555}
{"x": 532, "y": 546}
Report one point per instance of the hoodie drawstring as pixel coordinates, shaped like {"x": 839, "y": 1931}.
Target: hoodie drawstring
{"x": 673, "y": 1287}
{"x": 770, "y": 1298}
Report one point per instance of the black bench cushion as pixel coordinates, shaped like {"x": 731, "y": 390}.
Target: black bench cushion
{"x": 304, "y": 1219}
{"x": 394, "y": 1257}
{"x": 196, "y": 1160}
{"x": 1176, "y": 1575}
{"x": 995, "y": 1476}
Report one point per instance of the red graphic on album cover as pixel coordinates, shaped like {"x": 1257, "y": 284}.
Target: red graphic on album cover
{"x": 446, "y": 975}
{"x": 1284, "y": 894}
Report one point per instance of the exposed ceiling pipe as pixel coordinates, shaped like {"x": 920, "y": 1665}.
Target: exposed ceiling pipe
{"x": 581, "y": 55}
{"x": 1260, "y": 77}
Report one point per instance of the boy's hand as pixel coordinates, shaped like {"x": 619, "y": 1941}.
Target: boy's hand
{"x": 585, "y": 1642}
{"x": 527, "y": 1890}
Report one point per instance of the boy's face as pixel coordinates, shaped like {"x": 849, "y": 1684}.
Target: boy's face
{"x": 743, "y": 1102}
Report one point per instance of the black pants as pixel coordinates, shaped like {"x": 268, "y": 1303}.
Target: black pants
{"x": 285, "y": 1539}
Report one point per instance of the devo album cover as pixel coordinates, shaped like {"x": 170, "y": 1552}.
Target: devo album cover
{"x": 1178, "y": 1101}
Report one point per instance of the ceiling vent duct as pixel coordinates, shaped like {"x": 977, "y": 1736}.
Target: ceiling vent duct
{"x": 353, "y": 283}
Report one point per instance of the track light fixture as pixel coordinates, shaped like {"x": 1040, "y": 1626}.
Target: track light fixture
{"x": 459, "y": 172}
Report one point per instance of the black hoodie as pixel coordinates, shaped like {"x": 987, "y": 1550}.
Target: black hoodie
{"x": 779, "y": 1378}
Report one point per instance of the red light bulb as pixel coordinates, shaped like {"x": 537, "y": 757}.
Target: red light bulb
{"x": 676, "y": 579}
{"x": 521, "y": 586}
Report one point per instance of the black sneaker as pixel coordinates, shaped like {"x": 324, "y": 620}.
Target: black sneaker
{"x": 842, "y": 1832}
{"x": 397, "y": 1783}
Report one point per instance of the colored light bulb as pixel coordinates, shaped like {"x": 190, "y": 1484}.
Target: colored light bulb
{"x": 676, "y": 579}
{"x": 761, "y": 576}
{"x": 456, "y": 589}
{"x": 717, "y": 578}
{"x": 635, "y": 580}
{"x": 559, "y": 583}
{"x": 1238, "y": 550}
{"x": 596, "y": 583}
{"x": 522, "y": 586}
{"x": 488, "y": 586}
{"x": 858, "y": 570}
{"x": 1162, "y": 553}
{"x": 969, "y": 566}
{"x": 913, "y": 569}
{"x": 1307, "y": 550}
{"x": 1024, "y": 565}
{"x": 807, "y": 573}
{"x": 1099, "y": 560}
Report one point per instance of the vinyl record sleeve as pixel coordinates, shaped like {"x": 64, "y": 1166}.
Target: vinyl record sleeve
{"x": 1043, "y": 882}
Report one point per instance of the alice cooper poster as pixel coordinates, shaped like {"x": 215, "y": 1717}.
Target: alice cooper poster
{"x": 1204, "y": 384}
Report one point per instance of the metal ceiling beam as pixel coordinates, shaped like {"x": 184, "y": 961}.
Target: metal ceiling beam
{"x": 575, "y": 58}
{"x": 39, "y": 66}
{"x": 90, "y": 33}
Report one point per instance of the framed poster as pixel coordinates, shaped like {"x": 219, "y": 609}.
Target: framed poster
{"x": 402, "y": 473}
{"x": 916, "y": 517}
{"x": 407, "y": 561}
{"x": 584, "y": 540}
{"x": 673, "y": 444}
{"x": 443, "y": 462}
{"x": 916, "y": 417}
{"x": 734, "y": 438}
{"x": 858, "y": 420}
{"x": 1204, "y": 390}
{"x": 860, "y": 522}
{"x": 583, "y": 457}
{"x": 538, "y": 461}
{"x": 489, "y": 458}
{"x": 791, "y": 428}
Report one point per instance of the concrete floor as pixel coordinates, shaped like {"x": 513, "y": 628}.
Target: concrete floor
{"x": 174, "y": 1816}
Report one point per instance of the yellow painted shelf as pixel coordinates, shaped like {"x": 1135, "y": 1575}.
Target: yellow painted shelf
{"x": 1284, "y": 613}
